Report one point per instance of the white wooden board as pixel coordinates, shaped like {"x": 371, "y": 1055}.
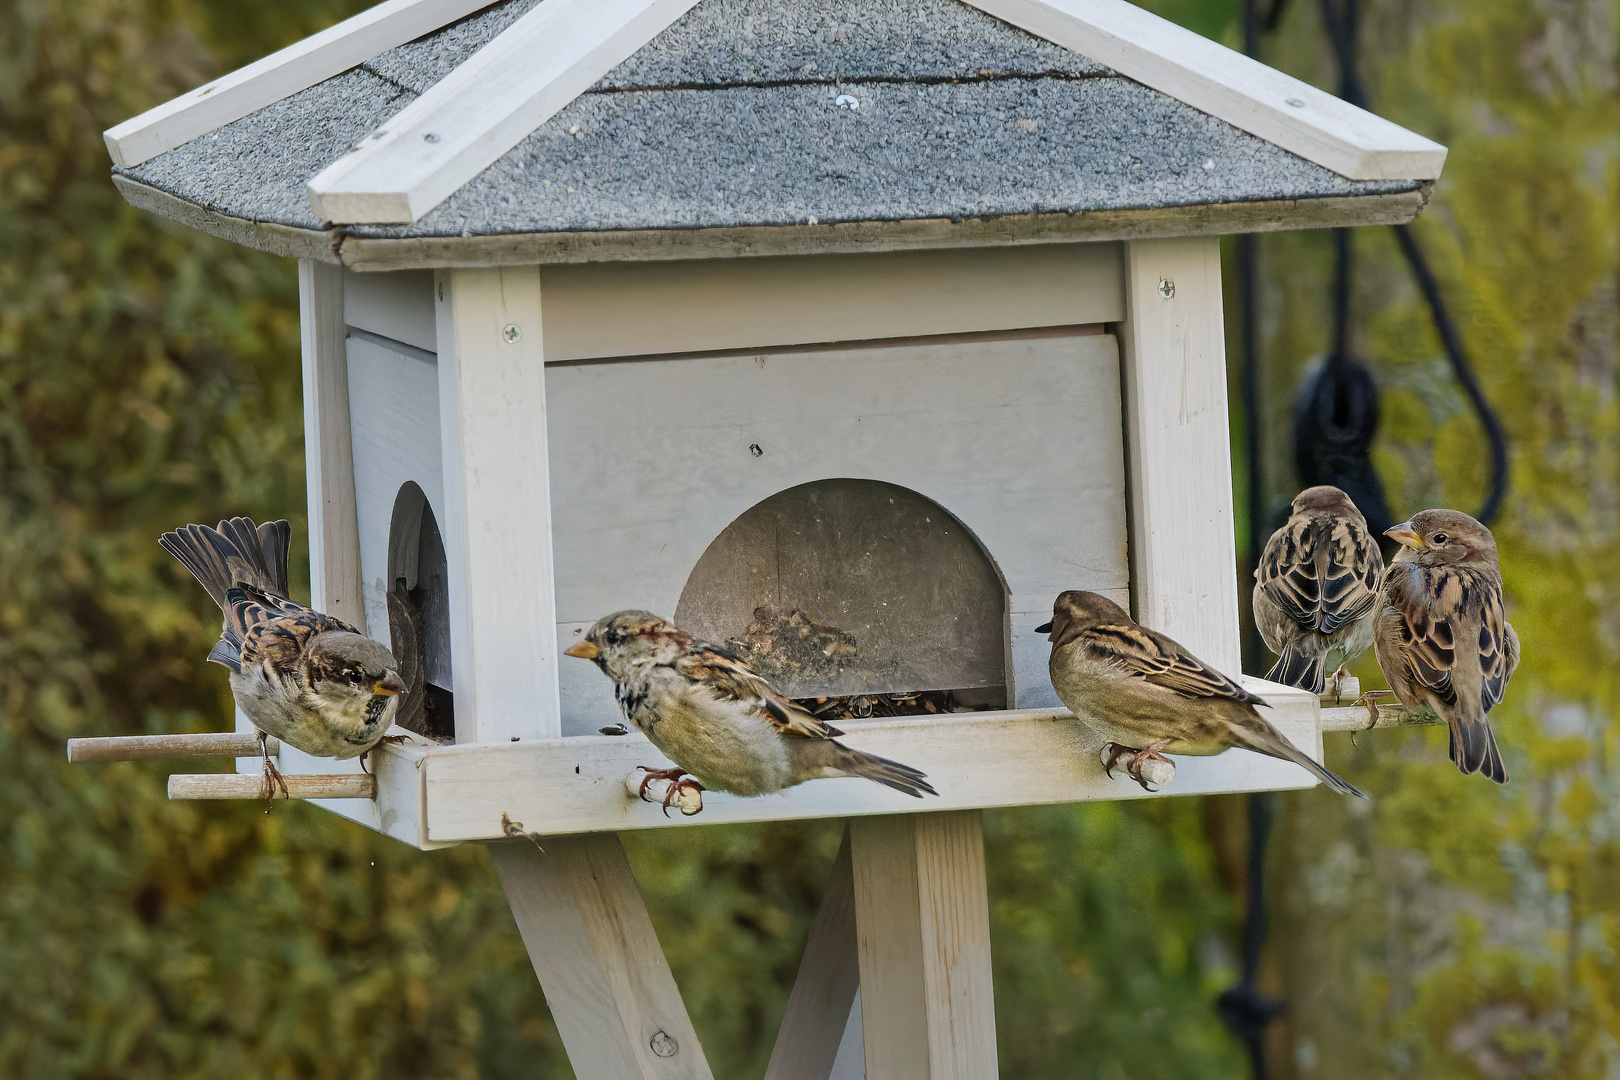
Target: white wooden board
{"x": 1020, "y": 439}
{"x": 396, "y": 305}
{"x": 279, "y": 75}
{"x": 394, "y": 398}
{"x": 974, "y": 760}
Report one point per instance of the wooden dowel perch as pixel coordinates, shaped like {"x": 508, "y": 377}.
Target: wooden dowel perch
{"x": 141, "y": 747}
{"x": 251, "y": 786}
{"x": 1357, "y": 718}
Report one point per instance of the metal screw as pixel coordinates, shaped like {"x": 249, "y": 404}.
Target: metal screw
{"x": 756, "y": 449}
{"x": 512, "y": 333}
{"x": 1296, "y": 103}
{"x": 1167, "y": 288}
{"x": 662, "y": 1044}
{"x": 430, "y": 137}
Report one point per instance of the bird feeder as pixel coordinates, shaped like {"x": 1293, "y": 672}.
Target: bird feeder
{"x": 849, "y": 332}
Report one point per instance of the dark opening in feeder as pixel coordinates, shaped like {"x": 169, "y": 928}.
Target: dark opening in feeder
{"x": 419, "y": 616}
{"x": 854, "y": 587}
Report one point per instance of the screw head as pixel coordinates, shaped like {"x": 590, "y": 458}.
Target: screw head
{"x": 1296, "y": 103}
{"x": 430, "y": 137}
{"x": 756, "y": 449}
{"x": 663, "y": 1044}
{"x": 1167, "y": 288}
{"x": 511, "y": 333}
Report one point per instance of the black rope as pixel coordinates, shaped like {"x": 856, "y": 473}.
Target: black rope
{"x": 1341, "y": 19}
{"x": 1243, "y": 1008}
{"x": 1247, "y": 1011}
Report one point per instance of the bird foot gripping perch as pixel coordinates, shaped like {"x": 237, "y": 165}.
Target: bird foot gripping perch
{"x": 1146, "y": 766}
{"x": 667, "y": 787}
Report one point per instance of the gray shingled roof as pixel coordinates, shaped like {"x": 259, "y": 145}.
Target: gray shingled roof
{"x": 746, "y": 114}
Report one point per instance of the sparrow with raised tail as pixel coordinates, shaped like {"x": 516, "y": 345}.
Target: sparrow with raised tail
{"x": 1316, "y": 588}
{"x": 311, "y": 680}
{"x": 1443, "y": 638}
{"x": 716, "y": 719}
{"x": 1149, "y": 696}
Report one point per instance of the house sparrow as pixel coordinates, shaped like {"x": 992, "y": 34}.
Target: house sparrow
{"x": 1316, "y": 588}
{"x": 716, "y": 719}
{"x": 1442, "y": 637}
{"x": 1148, "y": 695}
{"x": 312, "y": 681}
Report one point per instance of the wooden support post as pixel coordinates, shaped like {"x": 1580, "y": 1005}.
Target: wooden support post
{"x": 334, "y": 527}
{"x": 497, "y": 532}
{"x": 1177, "y": 447}
{"x": 923, "y": 924}
{"x": 829, "y": 977}
{"x": 605, "y": 978}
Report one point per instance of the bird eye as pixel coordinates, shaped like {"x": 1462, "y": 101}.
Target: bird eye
{"x": 1439, "y": 538}
{"x": 615, "y": 636}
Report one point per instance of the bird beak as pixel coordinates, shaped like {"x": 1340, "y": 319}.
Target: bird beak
{"x": 1406, "y": 535}
{"x": 390, "y": 685}
{"x": 583, "y": 649}
{"x": 1044, "y": 628}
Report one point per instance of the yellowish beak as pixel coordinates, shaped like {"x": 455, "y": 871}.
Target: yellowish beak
{"x": 389, "y": 685}
{"x": 583, "y": 649}
{"x": 1405, "y": 534}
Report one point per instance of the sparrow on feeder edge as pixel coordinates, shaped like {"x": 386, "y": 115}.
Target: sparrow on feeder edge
{"x": 1316, "y": 588}
{"x": 717, "y": 719}
{"x": 1149, "y": 696}
{"x": 310, "y": 680}
{"x": 1442, "y": 636}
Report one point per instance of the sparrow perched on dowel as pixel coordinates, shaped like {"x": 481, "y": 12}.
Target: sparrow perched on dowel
{"x": 1149, "y": 696}
{"x": 1442, "y": 636}
{"x": 1316, "y": 588}
{"x": 310, "y": 680}
{"x": 716, "y": 719}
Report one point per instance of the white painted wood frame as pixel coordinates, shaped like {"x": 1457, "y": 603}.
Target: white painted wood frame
{"x": 606, "y": 981}
{"x": 1228, "y": 85}
{"x": 1178, "y": 447}
{"x": 1016, "y": 758}
{"x": 279, "y": 75}
{"x": 923, "y": 926}
{"x": 497, "y": 493}
{"x": 334, "y": 533}
{"x": 829, "y": 980}
{"x": 483, "y": 108}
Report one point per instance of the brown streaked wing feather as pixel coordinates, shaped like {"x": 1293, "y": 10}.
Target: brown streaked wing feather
{"x": 1428, "y": 644}
{"x": 1350, "y": 586}
{"x": 1494, "y": 660}
{"x": 274, "y": 637}
{"x": 732, "y": 680}
{"x": 1152, "y": 657}
{"x": 1317, "y": 572}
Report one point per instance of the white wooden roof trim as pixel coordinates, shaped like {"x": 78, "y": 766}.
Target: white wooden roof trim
{"x": 478, "y": 112}
{"x": 1229, "y": 86}
{"x": 280, "y": 75}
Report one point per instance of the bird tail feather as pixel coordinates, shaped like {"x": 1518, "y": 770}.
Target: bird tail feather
{"x": 1473, "y": 748}
{"x": 888, "y": 773}
{"x": 237, "y": 552}
{"x": 1294, "y": 668}
{"x": 1273, "y": 743}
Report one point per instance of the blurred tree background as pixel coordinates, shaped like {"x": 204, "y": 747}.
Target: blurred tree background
{"x": 149, "y": 376}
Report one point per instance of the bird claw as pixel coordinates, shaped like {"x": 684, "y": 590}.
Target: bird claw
{"x": 1113, "y": 753}
{"x": 679, "y": 783}
{"x": 272, "y": 780}
{"x": 1367, "y": 701}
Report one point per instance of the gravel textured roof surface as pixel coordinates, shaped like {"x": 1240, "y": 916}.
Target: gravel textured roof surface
{"x": 752, "y": 112}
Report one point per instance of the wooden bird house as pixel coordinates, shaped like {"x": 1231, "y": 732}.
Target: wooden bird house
{"x": 849, "y": 332}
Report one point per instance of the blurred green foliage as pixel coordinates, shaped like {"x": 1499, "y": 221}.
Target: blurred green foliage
{"x": 149, "y": 376}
